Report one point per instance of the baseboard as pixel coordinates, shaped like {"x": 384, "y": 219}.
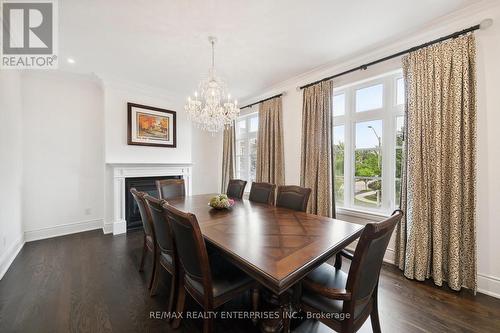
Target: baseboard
{"x": 62, "y": 229}
{"x": 107, "y": 228}
{"x": 9, "y": 256}
{"x": 119, "y": 227}
{"x": 489, "y": 285}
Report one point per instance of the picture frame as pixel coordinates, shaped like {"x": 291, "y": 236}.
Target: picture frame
{"x": 151, "y": 126}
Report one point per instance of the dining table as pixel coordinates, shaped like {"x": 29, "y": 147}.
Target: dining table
{"x": 276, "y": 246}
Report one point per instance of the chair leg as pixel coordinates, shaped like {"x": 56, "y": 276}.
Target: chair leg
{"x": 173, "y": 291}
{"x": 181, "y": 298}
{"x": 155, "y": 276}
{"x": 208, "y": 325}
{"x": 374, "y": 314}
{"x": 255, "y": 303}
{"x": 143, "y": 257}
{"x": 338, "y": 261}
{"x": 153, "y": 272}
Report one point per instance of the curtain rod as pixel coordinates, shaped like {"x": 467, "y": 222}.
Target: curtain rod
{"x": 262, "y": 100}
{"x": 483, "y": 25}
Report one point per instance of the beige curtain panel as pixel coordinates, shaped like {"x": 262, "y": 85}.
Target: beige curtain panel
{"x": 270, "y": 160}
{"x": 437, "y": 238}
{"x": 228, "y": 157}
{"x": 317, "y": 148}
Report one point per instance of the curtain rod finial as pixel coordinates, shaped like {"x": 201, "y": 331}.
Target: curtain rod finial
{"x": 485, "y": 24}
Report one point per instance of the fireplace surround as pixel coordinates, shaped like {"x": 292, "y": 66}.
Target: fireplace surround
{"x": 120, "y": 173}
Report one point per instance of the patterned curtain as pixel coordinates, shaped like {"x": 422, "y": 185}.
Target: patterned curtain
{"x": 317, "y": 148}
{"x": 437, "y": 237}
{"x": 228, "y": 157}
{"x": 270, "y": 160}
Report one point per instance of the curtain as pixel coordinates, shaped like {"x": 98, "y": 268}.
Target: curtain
{"x": 228, "y": 156}
{"x": 317, "y": 148}
{"x": 437, "y": 237}
{"x": 270, "y": 160}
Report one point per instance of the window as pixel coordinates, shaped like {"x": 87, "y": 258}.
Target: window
{"x": 368, "y": 140}
{"x": 246, "y": 146}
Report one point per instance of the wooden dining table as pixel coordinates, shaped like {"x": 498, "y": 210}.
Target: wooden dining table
{"x": 275, "y": 246}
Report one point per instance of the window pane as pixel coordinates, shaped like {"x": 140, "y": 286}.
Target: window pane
{"x": 400, "y": 91}
{"x": 399, "y": 131}
{"x": 241, "y": 166}
{"x": 398, "y": 192}
{"x": 240, "y": 128}
{"x": 368, "y": 164}
{"x": 369, "y": 134}
{"x": 241, "y": 148}
{"x": 367, "y": 192}
{"x": 369, "y": 98}
{"x": 338, "y": 144}
{"x": 339, "y": 105}
{"x": 254, "y": 124}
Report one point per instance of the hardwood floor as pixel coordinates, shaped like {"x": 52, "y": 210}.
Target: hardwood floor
{"x": 89, "y": 282}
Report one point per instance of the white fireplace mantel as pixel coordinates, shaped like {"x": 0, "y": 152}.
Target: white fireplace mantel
{"x": 122, "y": 171}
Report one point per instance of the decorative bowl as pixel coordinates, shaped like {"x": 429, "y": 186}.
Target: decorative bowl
{"x": 221, "y": 201}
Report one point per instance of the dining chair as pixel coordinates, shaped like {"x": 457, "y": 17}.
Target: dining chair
{"x": 293, "y": 197}
{"x": 210, "y": 280}
{"x": 236, "y": 188}
{"x": 164, "y": 247}
{"x": 262, "y": 192}
{"x": 149, "y": 231}
{"x": 171, "y": 188}
{"x": 349, "y": 298}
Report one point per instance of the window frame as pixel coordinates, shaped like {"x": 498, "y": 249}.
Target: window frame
{"x": 388, "y": 115}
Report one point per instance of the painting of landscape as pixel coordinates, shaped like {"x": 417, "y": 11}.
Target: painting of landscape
{"x": 152, "y": 127}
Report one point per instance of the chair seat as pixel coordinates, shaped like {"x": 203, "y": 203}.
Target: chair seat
{"x": 327, "y": 276}
{"x": 225, "y": 277}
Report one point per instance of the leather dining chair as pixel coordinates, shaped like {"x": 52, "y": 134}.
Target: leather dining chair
{"x": 171, "y": 188}
{"x": 210, "y": 280}
{"x": 351, "y": 297}
{"x": 149, "y": 231}
{"x": 165, "y": 256}
{"x": 262, "y": 192}
{"x": 236, "y": 188}
{"x": 293, "y": 197}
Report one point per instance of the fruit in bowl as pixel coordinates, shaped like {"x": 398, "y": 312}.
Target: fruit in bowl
{"x": 221, "y": 201}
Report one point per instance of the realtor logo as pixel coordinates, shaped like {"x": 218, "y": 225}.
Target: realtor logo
{"x": 29, "y": 38}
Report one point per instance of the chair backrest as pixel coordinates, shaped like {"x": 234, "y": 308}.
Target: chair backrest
{"x": 262, "y": 192}
{"x": 163, "y": 232}
{"x": 143, "y": 211}
{"x": 191, "y": 248}
{"x": 293, "y": 197}
{"x": 367, "y": 262}
{"x": 171, "y": 188}
{"x": 236, "y": 188}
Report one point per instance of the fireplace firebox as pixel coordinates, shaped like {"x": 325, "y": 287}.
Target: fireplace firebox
{"x": 143, "y": 184}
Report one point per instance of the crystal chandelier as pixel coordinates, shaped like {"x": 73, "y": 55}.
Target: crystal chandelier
{"x": 212, "y": 110}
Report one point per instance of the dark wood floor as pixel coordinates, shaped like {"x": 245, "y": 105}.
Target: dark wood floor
{"x": 89, "y": 282}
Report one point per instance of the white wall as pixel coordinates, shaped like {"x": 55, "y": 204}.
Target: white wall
{"x": 11, "y": 165}
{"x": 207, "y": 162}
{"x": 63, "y": 153}
{"x": 488, "y": 184}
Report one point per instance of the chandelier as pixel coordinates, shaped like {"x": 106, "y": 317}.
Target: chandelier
{"x": 212, "y": 109}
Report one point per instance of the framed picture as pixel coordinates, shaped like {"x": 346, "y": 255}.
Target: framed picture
{"x": 150, "y": 126}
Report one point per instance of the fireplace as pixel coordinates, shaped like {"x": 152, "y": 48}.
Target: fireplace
{"x": 143, "y": 184}
{"x": 120, "y": 177}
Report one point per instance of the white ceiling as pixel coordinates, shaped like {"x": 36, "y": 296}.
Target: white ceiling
{"x": 260, "y": 42}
